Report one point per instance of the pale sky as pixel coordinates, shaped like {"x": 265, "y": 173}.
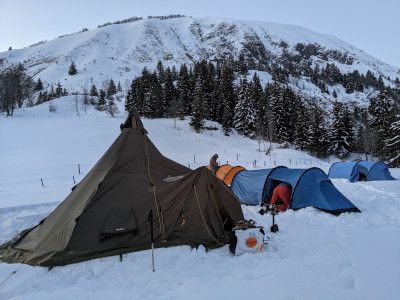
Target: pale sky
{"x": 372, "y": 25}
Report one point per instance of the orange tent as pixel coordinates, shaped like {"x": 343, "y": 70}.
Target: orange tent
{"x": 226, "y": 173}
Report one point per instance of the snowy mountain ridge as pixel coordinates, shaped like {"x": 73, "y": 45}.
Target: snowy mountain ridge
{"x": 121, "y": 51}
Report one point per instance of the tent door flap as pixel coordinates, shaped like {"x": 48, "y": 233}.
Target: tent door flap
{"x": 119, "y": 222}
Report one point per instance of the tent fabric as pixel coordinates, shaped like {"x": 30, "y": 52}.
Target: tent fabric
{"x": 354, "y": 171}
{"x": 310, "y": 187}
{"x": 231, "y": 174}
{"x": 226, "y": 173}
{"x": 347, "y": 170}
{"x": 222, "y": 171}
{"x": 107, "y": 213}
{"x": 375, "y": 170}
{"x": 248, "y": 186}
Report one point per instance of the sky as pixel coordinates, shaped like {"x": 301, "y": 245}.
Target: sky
{"x": 371, "y": 25}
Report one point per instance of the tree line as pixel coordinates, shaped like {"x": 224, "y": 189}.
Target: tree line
{"x": 223, "y": 93}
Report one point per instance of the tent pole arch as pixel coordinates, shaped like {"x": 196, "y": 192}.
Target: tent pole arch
{"x": 235, "y": 170}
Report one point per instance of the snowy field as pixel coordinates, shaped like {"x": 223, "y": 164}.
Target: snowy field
{"x": 314, "y": 255}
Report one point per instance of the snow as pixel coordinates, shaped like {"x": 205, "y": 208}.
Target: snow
{"x": 121, "y": 51}
{"x": 314, "y": 256}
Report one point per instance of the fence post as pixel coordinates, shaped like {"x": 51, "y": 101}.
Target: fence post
{"x": 79, "y": 169}
{"x": 73, "y": 178}
{"x": 41, "y": 180}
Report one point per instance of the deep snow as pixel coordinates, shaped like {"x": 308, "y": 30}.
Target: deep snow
{"x": 314, "y": 255}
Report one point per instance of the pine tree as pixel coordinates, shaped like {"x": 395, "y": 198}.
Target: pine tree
{"x": 258, "y": 96}
{"x": 242, "y": 65}
{"x": 59, "y": 90}
{"x": 169, "y": 94}
{"x": 39, "y": 85}
{"x": 39, "y": 99}
{"x": 72, "y": 69}
{"x": 268, "y": 121}
{"x": 93, "y": 91}
{"x": 197, "y": 121}
{"x": 227, "y": 91}
{"x": 102, "y": 100}
{"x": 183, "y": 89}
{"x": 301, "y": 126}
{"x": 341, "y": 131}
{"x": 281, "y": 101}
{"x": 111, "y": 89}
{"x": 157, "y": 94}
{"x": 392, "y": 143}
{"x": 160, "y": 72}
{"x": 245, "y": 114}
{"x": 382, "y": 113}
{"x": 317, "y": 133}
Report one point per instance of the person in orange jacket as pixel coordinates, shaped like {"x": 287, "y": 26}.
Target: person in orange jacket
{"x": 281, "y": 196}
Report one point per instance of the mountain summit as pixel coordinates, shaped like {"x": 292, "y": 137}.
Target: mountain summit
{"x": 121, "y": 51}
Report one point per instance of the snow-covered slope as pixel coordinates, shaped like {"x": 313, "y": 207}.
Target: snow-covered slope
{"x": 314, "y": 255}
{"x": 121, "y": 51}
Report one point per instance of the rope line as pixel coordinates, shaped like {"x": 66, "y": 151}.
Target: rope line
{"x": 202, "y": 216}
{"x": 9, "y": 276}
{"x": 153, "y": 188}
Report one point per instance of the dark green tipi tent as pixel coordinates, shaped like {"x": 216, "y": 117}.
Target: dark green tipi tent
{"x": 107, "y": 213}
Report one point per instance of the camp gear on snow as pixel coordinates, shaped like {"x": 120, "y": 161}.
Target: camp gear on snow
{"x": 360, "y": 171}
{"x": 247, "y": 237}
{"x": 227, "y": 172}
{"x": 107, "y": 213}
{"x": 281, "y": 196}
{"x": 274, "y": 211}
{"x": 310, "y": 187}
{"x": 264, "y": 209}
{"x": 214, "y": 164}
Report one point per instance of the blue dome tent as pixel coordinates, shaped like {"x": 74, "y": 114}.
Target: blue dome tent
{"x": 347, "y": 169}
{"x": 248, "y": 186}
{"x": 374, "y": 170}
{"x": 362, "y": 170}
{"x": 310, "y": 187}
